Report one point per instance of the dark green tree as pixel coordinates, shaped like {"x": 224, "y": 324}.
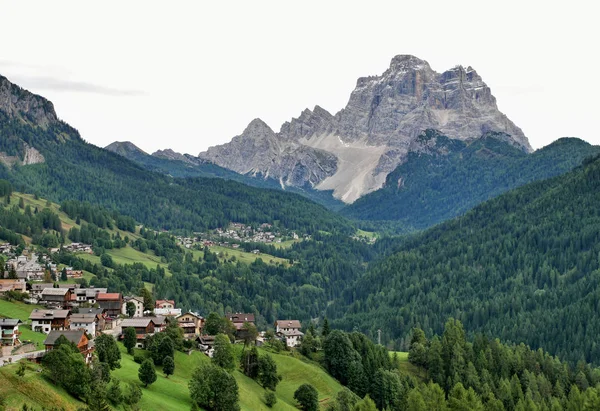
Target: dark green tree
{"x": 307, "y": 397}
{"x": 147, "y": 373}
{"x": 249, "y": 362}
{"x": 130, "y": 309}
{"x": 223, "y": 356}
{"x": 130, "y": 339}
{"x": 168, "y": 366}
{"x": 267, "y": 372}
{"x": 325, "y": 329}
{"x": 214, "y": 389}
{"x": 108, "y": 351}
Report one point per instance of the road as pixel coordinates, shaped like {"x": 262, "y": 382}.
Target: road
{"x": 16, "y": 358}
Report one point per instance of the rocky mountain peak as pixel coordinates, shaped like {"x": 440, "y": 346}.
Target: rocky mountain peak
{"x": 257, "y": 129}
{"x": 352, "y": 151}
{"x": 20, "y": 103}
{"x": 406, "y": 62}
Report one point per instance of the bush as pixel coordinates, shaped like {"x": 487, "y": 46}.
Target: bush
{"x": 138, "y": 358}
{"x": 270, "y": 398}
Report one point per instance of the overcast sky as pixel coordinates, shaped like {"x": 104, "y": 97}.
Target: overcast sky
{"x": 188, "y": 75}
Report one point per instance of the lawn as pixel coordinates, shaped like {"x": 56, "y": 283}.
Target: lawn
{"x": 27, "y": 334}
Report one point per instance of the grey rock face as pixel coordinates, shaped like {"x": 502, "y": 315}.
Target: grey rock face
{"x": 20, "y": 103}
{"x": 354, "y": 150}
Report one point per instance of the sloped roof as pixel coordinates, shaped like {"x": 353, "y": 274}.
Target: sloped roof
{"x": 240, "y": 317}
{"x": 48, "y": 314}
{"x": 73, "y": 336}
{"x": 108, "y": 296}
{"x": 83, "y": 319}
{"x": 55, "y": 291}
{"x": 41, "y": 286}
{"x": 137, "y": 322}
{"x": 10, "y": 322}
{"x": 288, "y": 324}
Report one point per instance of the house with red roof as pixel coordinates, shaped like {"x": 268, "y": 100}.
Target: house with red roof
{"x": 112, "y": 303}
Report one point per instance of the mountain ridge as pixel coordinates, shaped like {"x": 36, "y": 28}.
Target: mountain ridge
{"x": 352, "y": 151}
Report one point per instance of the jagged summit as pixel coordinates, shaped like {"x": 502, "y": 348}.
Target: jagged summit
{"x": 17, "y": 102}
{"x": 352, "y": 151}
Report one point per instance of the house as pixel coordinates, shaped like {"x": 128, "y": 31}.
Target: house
{"x": 168, "y": 304}
{"x": 111, "y": 302}
{"x": 160, "y": 323}
{"x": 97, "y": 313}
{"x": 60, "y": 297}
{"x": 37, "y": 288}
{"x": 9, "y": 331}
{"x": 167, "y": 308}
{"x": 143, "y": 327}
{"x": 85, "y": 322}
{"x": 13, "y": 285}
{"x": 289, "y": 330}
{"x": 139, "y": 305}
{"x": 191, "y": 323}
{"x": 48, "y": 320}
{"x": 238, "y": 319}
{"x": 88, "y": 295}
{"x": 206, "y": 344}
{"x": 77, "y": 337}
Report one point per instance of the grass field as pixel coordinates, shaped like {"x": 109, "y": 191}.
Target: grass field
{"x": 245, "y": 257}
{"x": 366, "y": 234}
{"x": 286, "y": 244}
{"x": 407, "y": 367}
{"x": 128, "y": 255}
{"x": 16, "y": 309}
{"x": 32, "y": 389}
{"x": 173, "y": 393}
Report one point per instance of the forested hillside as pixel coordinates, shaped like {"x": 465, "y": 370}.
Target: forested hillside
{"x": 446, "y": 177}
{"x": 197, "y": 167}
{"x": 524, "y": 267}
{"x": 74, "y": 169}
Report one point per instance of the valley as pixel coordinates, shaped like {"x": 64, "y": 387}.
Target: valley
{"x": 411, "y": 250}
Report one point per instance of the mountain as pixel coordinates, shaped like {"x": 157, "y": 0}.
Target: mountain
{"x": 523, "y": 266}
{"x": 353, "y": 151}
{"x": 48, "y": 157}
{"x": 185, "y": 165}
{"x": 443, "y": 178}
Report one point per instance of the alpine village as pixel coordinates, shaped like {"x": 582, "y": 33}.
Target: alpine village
{"x": 409, "y": 252}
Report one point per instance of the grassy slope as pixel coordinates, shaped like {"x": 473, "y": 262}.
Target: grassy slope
{"x": 32, "y": 389}
{"x": 67, "y": 222}
{"x": 173, "y": 394}
{"x": 21, "y": 311}
{"x": 247, "y": 258}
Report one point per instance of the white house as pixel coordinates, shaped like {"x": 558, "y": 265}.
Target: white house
{"x": 9, "y": 331}
{"x": 289, "y": 330}
{"x": 84, "y": 322}
{"x": 139, "y": 305}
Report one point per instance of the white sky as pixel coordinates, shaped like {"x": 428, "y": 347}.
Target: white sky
{"x": 187, "y": 75}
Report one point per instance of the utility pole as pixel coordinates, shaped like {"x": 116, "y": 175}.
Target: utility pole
{"x": 379, "y": 336}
